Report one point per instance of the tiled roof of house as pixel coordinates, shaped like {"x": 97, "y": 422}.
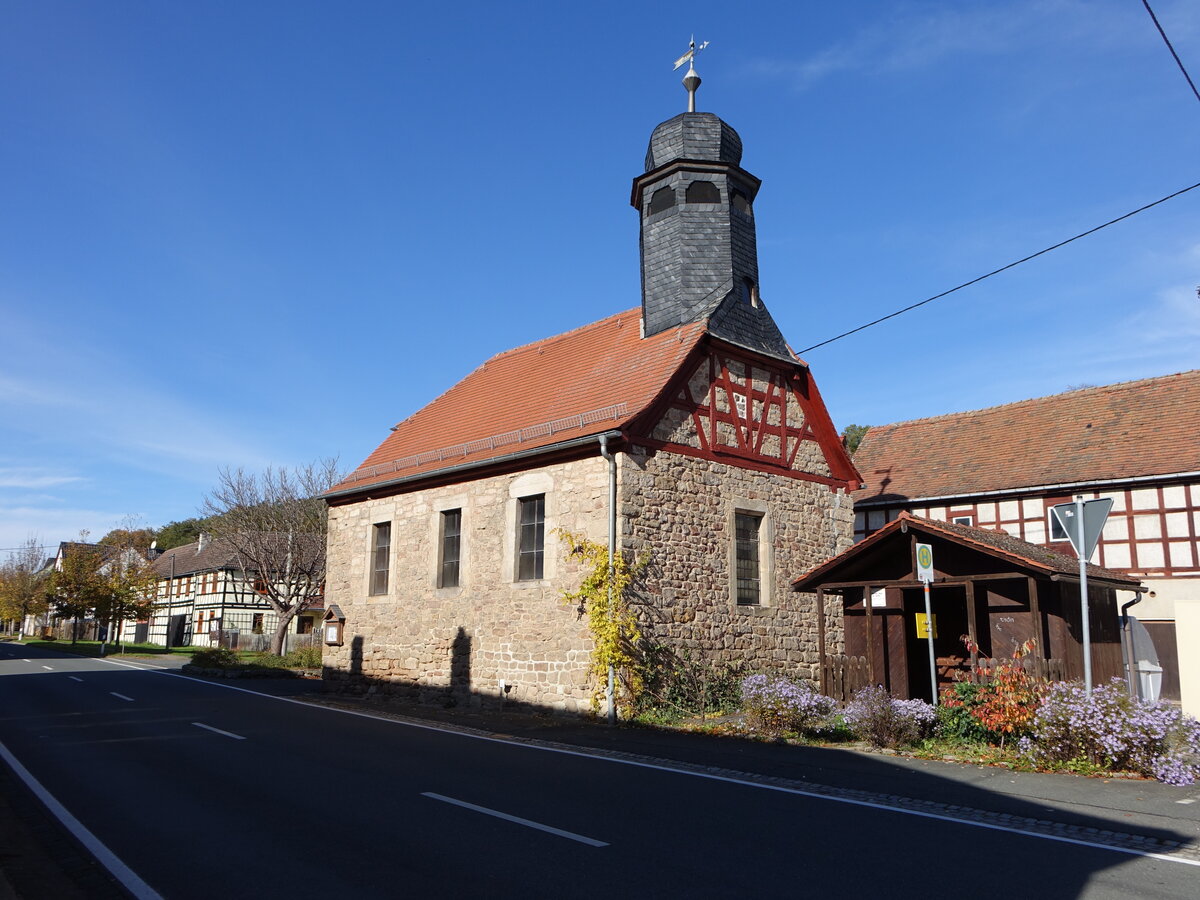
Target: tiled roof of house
{"x": 580, "y": 383}
{"x": 1136, "y": 428}
{"x": 1033, "y": 556}
{"x": 192, "y": 558}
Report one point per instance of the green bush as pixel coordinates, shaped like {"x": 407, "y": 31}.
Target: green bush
{"x": 303, "y": 658}
{"x": 956, "y": 719}
{"x": 676, "y": 687}
{"x": 215, "y": 658}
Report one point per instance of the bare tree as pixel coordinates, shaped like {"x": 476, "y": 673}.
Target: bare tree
{"x": 274, "y": 524}
{"x": 22, "y": 587}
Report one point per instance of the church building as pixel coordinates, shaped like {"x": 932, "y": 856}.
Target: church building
{"x": 685, "y": 430}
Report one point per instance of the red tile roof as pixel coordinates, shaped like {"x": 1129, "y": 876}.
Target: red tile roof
{"x": 1110, "y": 433}
{"x": 583, "y": 382}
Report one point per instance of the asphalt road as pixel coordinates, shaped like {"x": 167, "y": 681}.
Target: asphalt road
{"x": 205, "y": 790}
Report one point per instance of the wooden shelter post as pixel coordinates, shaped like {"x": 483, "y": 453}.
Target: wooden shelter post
{"x": 1035, "y": 610}
{"x": 972, "y": 627}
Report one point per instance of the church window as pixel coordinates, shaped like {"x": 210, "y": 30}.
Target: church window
{"x": 747, "y": 527}
{"x": 381, "y": 546}
{"x": 663, "y": 198}
{"x": 749, "y": 292}
{"x": 451, "y": 547}
{"x": 531, "y": 547}
{"x": 741, "y": 203}
{"x": 703, "y": 192}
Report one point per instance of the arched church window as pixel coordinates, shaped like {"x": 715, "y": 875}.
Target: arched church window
{"x": 663, "y": 198}
{"x": 741, "y": 203}
{"x": 703, "y": 192}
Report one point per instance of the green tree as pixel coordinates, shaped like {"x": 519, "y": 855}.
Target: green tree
{"x": 138, "y": 538}
{"x": 853, "y": 436}
{"x": 22, "y": 584}
{"x": 176, "y": 534}
{"x": 126, "y": 586}
{"x": 75, "y": 587}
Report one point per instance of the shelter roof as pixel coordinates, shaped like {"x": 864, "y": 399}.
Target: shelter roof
{"x": 1120, "y": 431}
{"x": 1033, "y": 557}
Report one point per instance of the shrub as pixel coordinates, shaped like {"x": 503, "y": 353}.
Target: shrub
{"x": 1112, "y": 731}
{"x": 774, "y": 705}
{"x": 215, "y": 658}
{"x": 875, "y": 716}
{"x": 303, "y": 658}
{"x": 676, "y": 686}
{"x": 956, "y": 720}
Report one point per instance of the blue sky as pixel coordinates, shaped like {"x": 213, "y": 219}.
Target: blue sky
{"x": 253, "y": 233}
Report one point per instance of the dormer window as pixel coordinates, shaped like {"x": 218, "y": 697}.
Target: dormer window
{"x": 663, "y": 198}
{"x": 749, "y": 293}
{"x": 703, "y": 192}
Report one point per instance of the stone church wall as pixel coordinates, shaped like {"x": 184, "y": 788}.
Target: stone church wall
{"x": 459, "y": 644}
{"x": 682, "y": 510}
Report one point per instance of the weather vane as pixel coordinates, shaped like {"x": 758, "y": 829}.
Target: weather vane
{"x": 691, "y": 80}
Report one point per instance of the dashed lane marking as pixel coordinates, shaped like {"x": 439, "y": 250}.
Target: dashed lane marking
{"x": 229, "y": 734}
{"x": 570, "y": 835}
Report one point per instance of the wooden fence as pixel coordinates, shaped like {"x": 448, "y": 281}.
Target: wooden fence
{"x": 841, "y": 676}
{"x": 1042, "y": 669}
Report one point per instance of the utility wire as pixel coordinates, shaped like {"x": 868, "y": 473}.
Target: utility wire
{"x": 1167, "y": 41}
{"x": 1018, "y": 262}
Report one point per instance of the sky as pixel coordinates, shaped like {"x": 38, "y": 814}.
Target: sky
{"x": 252, "y": 233}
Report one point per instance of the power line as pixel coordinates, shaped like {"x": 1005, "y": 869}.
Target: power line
{"x": 1167, "y": 41}
{"x": 1018, "y": 262}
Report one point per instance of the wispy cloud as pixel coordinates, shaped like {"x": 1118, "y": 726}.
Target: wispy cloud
{"x": 27, "y": 478}
{"x": 916, "y": 36}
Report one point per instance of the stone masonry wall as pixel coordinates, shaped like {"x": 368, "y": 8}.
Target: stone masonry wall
{"x": 682, "y": 510}
{"x": 458, "y": 644}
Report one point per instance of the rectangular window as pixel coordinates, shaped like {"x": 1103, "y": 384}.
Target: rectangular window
{"x": 256, "y": 625}
{"x": 747, "y": 526}
{"x": 532, "y": 539}
{"x": 963, "y": 520}
{"x": 304, "y": 624}
{"x": 1057, "y": 532}
{"x": 451, "y": 547}
{"x": 381, "y": 557}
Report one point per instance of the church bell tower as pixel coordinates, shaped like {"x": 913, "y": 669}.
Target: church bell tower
{"x": 698, "y": 248}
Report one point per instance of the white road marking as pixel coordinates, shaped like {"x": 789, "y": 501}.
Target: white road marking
{"x": 570, "y": 835}
{"x": 128, "y": 878}
{"x": 1186, "y": 800}
{"x": 121, "y": 696}
{"x": 744, "y": 782}
{"x": 236, "y": 737}
{"x": 50, "y": 668}
{"x": 74, "y": 678}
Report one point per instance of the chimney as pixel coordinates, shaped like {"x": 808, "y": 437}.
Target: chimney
{"x": 200, "y": 543}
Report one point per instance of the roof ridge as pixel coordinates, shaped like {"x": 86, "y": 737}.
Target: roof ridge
{"x": 1118, "y": 385}
{"x": 562, "y": 335}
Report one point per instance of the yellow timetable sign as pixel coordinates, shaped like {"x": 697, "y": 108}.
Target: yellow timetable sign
{"x": 923, "y": 626}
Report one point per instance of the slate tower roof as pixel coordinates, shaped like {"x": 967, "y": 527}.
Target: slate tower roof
{"x": 698, "y": 246}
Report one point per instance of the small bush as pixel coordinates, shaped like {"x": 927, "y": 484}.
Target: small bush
{"x": 676, "y": 686}
{"x": 1112, "y": 731}
{"x": 877, "y": 717}
{"x": 215, "y": 658}
{"x": 774, "y": 705}
{"x": 956, "y": 720}
{"x": 303, "y": 658}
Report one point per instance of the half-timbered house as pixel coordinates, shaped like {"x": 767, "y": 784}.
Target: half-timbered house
{"x": 685, "y": 429}
{"x": 1003, "y": 469}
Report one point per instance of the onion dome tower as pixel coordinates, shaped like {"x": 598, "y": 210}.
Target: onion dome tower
{"x": 698, "y": 248}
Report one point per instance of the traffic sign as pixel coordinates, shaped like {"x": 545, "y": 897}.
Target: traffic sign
{"x": 924, "y": 562}
{"x": 1095, "y": 514}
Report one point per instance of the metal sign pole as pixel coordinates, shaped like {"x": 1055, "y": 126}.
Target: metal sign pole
{"x": 929, "y": 633}
{"x": 1083, "y": 599}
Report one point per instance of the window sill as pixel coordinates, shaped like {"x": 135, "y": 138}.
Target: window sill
{"x": 757, "y": 609}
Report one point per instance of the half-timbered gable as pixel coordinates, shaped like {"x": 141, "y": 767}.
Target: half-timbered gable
{"x": 731, "y": 406}
{"x": 685, "y": 431}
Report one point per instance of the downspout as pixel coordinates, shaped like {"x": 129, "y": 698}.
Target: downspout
{"x": 609, "y": 691}
{"x": 1127, "y": 646}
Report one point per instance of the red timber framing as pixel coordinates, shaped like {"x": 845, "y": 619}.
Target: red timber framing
{"x": 739, "y": 423}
